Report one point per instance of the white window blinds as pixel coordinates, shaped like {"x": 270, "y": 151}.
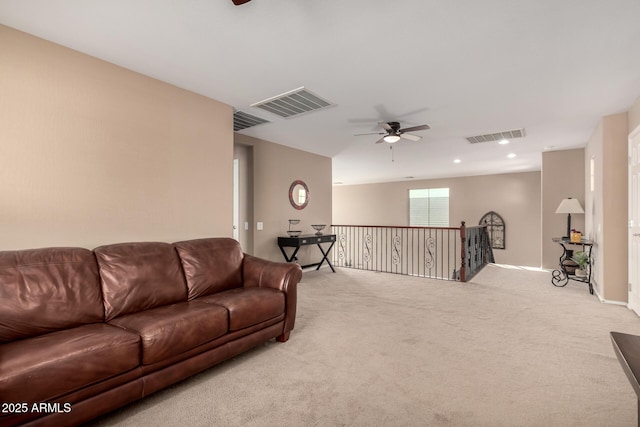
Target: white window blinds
{"x": 429, "y": 207}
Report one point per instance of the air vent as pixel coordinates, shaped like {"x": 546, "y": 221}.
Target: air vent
{"x": 243, "y": 120}
{"x": 293, "y": 103}
{"x": 498, "y": 136}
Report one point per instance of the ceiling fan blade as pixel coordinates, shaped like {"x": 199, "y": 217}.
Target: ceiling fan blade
{"x": 386, "y": 126}
{"x": 410, "y": 137}
{"x": 376, "y": 133}
{"x": 381, "y": 140}
{"x": 239, "y": 2}
{"x": 415, "y": 128}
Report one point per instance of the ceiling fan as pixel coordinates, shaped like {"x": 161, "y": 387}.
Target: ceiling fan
{"x": 239, "y": 2}
{"x": 394, "y": 132}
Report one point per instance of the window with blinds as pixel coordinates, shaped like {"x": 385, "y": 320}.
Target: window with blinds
{"x": 429, "y": 207}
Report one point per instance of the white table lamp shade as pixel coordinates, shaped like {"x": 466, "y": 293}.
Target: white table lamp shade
{"x": 570, "y": 206}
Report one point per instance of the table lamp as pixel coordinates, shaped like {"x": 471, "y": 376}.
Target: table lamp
{"x": 569, "y": 206}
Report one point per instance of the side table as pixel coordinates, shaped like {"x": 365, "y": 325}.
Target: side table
{"x": 561, "y": 276}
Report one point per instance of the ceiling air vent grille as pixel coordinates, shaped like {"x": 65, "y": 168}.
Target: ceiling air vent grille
{"x": 243, "y": 121}
{"x": 293, "y": 103}
{"x": 498, "y": 136}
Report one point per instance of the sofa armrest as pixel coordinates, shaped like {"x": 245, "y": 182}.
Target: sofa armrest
{"x": 263, "y": 273}
{"x": 278, "y": 275}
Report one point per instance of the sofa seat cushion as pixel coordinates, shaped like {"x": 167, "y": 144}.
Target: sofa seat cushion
{"x": 174, "y": 329}
{"x": 248, "y": 306}
{"x": 48, "y": 366}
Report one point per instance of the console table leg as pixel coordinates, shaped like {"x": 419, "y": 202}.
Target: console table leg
{"x": 293, "y": 255}
{"x": 325, "y": 257}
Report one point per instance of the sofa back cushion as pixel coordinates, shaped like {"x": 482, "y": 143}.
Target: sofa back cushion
{"x": 139, "y": 276}
{"x": 211, "y": 265}
{"x": 46, "y": 290}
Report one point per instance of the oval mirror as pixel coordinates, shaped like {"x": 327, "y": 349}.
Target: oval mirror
{"x": 299, "y": 194}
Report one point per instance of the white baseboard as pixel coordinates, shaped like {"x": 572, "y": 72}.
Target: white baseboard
{"x": 607, "y": 301}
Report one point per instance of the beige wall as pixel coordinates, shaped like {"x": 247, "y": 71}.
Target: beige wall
{"x": 92, "y": 153}
{"x": 562, "y": 178}
{"x": 516, "y": 197}
{"x": 275, "y": 167}
{"x": 606, "y": 211}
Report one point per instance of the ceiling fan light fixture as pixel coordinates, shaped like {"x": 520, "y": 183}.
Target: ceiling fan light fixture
{"x": 391, "y": 138}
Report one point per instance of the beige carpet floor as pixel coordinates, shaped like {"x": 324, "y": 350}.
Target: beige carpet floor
{"x": 376, "y": 349}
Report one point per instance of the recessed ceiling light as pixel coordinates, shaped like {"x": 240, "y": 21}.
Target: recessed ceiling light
{"x": 409, "y": 177}
{"x": 504, "y": 141}
{"x": 457, "y": 161}
{"x": 511, "y": 155}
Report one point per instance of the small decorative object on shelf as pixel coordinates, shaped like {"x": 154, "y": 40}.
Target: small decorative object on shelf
{"x": 318, "y": 228}
{"x": 575, "y": 236}
{"x": 570, "y": 266}
{"x": 293, "y": 233}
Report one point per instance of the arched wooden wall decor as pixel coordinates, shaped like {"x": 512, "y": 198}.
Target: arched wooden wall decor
{"x": 495, "y": 228}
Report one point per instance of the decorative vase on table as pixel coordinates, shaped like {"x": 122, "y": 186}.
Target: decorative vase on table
{"x": 575, "y": 236}
{"x": 318, "y": 228}
{"x": 293, "y": 233}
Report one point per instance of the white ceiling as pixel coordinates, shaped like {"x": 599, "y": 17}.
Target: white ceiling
{"x": 464, "y": 67}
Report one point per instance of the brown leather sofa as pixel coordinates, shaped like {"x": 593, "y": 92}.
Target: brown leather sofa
{"x": 84, "y": 332}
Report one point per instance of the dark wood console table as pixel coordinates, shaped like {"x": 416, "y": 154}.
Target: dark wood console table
{"x": 309, "y": 239}
{"x": 627, "y": 349}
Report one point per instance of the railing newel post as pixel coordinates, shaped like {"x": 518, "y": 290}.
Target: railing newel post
{"x": 463, "y": 252}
